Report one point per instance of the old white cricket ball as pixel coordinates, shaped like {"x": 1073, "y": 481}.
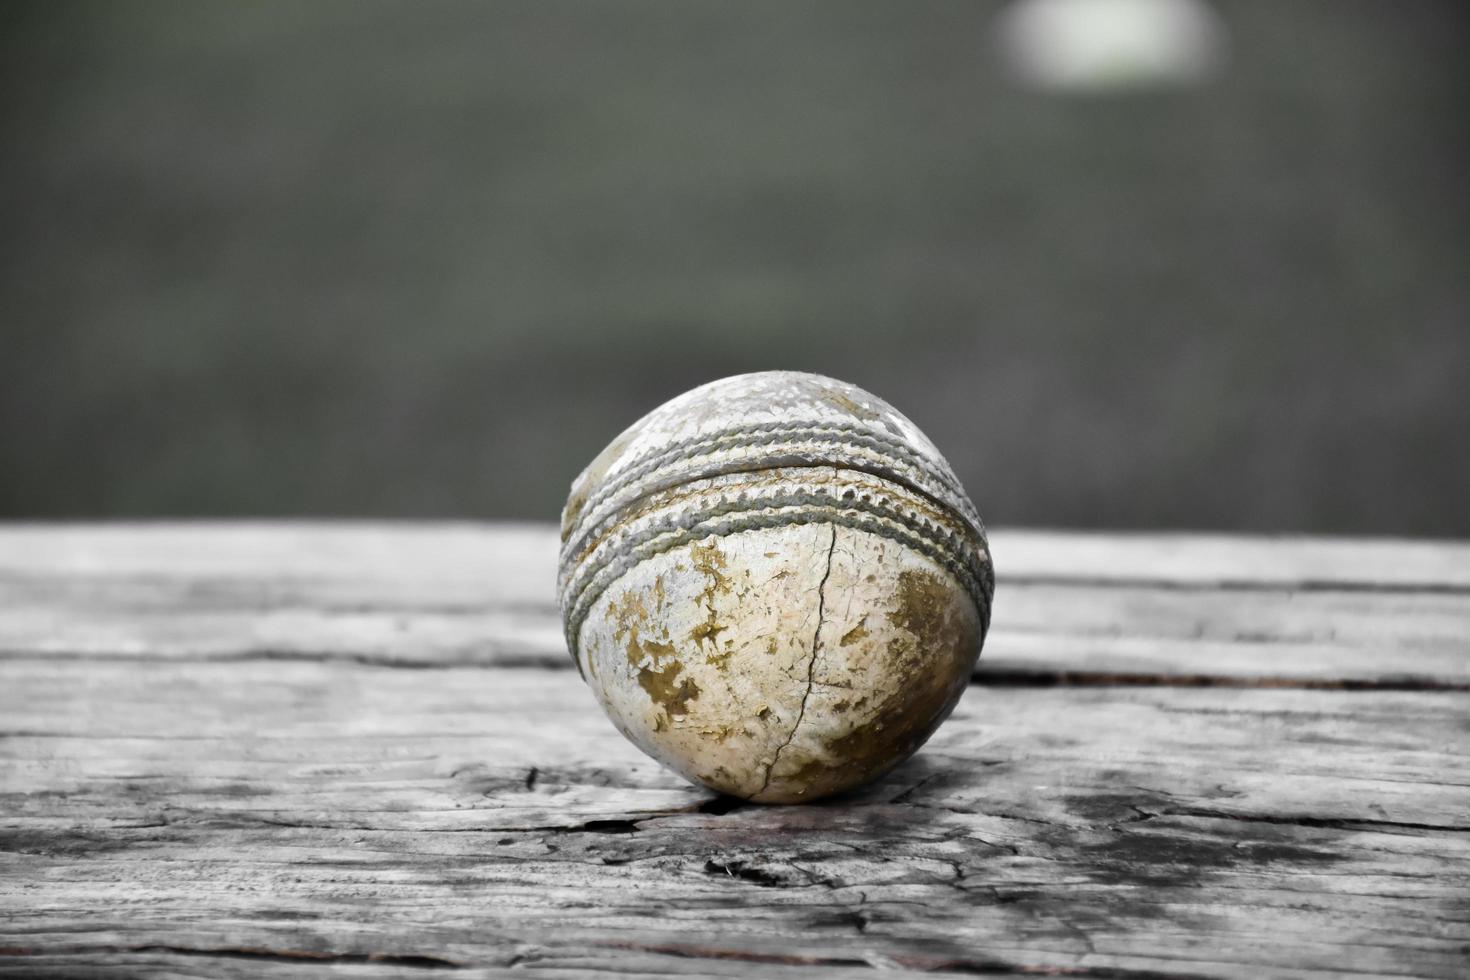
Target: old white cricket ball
{"x": 775, "y": 585}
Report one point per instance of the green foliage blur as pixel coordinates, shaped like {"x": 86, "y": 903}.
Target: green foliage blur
{"x": 426, "y": 259}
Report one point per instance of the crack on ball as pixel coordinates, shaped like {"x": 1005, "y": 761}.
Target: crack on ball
{"x": 811, "y": 667}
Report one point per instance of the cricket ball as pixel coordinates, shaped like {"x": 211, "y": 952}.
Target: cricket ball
{"x": 774, "y": 585}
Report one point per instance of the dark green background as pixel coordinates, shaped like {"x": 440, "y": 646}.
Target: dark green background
{"x": 425, "y": 259}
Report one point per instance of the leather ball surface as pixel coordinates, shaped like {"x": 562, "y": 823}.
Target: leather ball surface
{"x": 775, "y": 585}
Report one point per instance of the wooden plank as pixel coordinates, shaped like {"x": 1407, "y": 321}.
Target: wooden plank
{"x": 1253, "y": 611}
{"x": 245, "y": 814}
{"x": 213, "y": 763}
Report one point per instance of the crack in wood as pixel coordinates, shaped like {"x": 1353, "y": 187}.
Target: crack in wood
{"x": 415, "y": 960}
{"x": 1240, "y": 585}
{"x": 908, "y": 793}
{"x": 476, "y": 655}
{"x": 968, "y": 966}
{"x": 746, "y": 872}
{"x": 1329, "y": 823}
{"x": 1020, "y": 677}
{"x": 717, "y": 806}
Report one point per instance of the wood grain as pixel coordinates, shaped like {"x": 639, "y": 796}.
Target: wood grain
{"x": 221, "y": 754}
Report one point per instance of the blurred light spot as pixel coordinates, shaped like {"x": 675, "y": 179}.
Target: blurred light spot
{"x": 1111, "y": 45}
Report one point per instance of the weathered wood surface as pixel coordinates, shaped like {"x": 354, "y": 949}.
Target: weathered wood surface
{"x": 221, "y": 754}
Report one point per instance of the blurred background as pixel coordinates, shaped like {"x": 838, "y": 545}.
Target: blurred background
{"x": 1129, "y": 264}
